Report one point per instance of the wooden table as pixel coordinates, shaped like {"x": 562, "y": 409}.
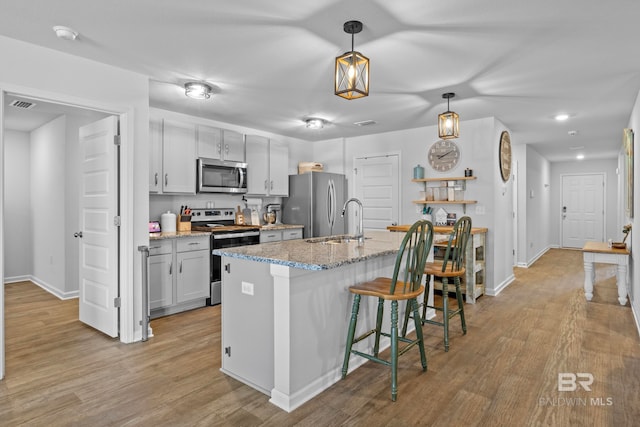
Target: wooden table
{"x": 601, "y": 252}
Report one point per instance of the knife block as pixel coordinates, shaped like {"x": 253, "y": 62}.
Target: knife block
{"x": 183, "y": 223}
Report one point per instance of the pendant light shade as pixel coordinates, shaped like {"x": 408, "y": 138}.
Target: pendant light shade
{"x": 449, "y": 121}
{"x": 352, "y": 69}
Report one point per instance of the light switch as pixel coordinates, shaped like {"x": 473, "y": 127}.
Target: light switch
{"x": 247, "y": 288}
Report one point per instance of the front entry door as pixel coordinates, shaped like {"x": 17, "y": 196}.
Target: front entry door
{"x": 378, "y": 188}
{"x": 582, "y": 209}
{"x": 98, "y": 234}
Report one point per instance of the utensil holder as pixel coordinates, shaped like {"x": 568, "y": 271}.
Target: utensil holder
{"x": 183, "y": 223}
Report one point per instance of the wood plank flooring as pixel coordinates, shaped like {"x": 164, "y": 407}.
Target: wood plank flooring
{"x": 504, "y": 372}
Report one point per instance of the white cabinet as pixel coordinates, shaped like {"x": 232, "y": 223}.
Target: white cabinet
{"x": 178, "y": 157}
{"x": 160, "y": 274}
{"x": 178, "y": 274}
{"x": 172, "y": 157}
{"x": 220, "y": 144}
{"x": 292, "y": 234}
{"x": 267, "y": 167}
{"x": 267, "y": 236}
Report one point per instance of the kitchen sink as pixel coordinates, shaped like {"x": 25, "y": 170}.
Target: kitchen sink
{"x": 334, "y": 240}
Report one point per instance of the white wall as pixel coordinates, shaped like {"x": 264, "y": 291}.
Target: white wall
{"x": 537, "y": 196}
{"x": 478, "y": 144}
{"x": 48, "y": 165}
{"x": 612, "y": 208}
{"x": 634, "y": 239}
{"x": 17, "y": 214}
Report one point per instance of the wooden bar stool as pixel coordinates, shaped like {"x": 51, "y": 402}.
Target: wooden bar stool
{"x": 405, "y": 285}
{"x": 451, "y": 267}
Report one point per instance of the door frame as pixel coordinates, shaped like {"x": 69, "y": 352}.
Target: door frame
{"x": 604, "y": 202}
{"x": 126, "y": 254}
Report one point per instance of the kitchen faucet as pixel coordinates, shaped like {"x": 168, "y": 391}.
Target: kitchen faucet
{"x": 360, "y": 233}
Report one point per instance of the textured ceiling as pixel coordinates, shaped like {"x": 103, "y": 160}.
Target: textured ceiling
{"x": 271, "y": 62}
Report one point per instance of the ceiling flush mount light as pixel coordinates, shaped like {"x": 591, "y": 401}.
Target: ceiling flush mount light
{"x": 65, "y": 33}
{"x": 449, "y": 121}
{"x": 197, "y": 90}
{"x": 561, "y": 117}
{"x": 352, "y": 68}
{"x": 315, "y": 123}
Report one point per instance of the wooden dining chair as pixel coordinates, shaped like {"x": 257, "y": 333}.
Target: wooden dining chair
{"x": 405, "y": 285}
{"x": 451, "y": 267}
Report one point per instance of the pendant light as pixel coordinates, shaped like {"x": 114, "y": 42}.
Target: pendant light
{"x": 449, "y": 121}
{"x": 352, "y": 68}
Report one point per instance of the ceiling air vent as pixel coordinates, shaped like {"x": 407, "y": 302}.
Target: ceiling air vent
{"x": 25, "y": 105}
{"x": 365, "y": 123}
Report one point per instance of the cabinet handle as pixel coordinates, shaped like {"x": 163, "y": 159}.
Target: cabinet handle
{"x": 170, "y": 268}
{"x": 156, "y": 178}
{"x": 266, "y": 183}
{"x": 226, "y": 148}
{"x": 219, "y": 148}
{"x": 227, "y": 268}
{"x": 166, "y": 179}
{"x": 272, "y": 184}
{"x": 180, "y": 270}
{"x": 194, "y": 243}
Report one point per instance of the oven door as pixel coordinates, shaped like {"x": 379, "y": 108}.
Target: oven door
{"x": 216, "y": 176}
{"x": 226, "y": 240}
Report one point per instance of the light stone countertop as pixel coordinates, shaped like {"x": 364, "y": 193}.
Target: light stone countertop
{"x": 303, "y": 254}
{"x": 279, "y": 227}
{"x": 177, "y": 235}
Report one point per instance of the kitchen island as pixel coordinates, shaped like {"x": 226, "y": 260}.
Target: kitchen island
{"x": 286, "y": 308}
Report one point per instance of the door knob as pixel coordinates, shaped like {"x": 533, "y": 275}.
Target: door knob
{"x": 78, "y": 234}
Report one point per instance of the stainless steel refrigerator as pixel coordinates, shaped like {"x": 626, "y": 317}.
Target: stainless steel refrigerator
{"x": 315, "y": 201}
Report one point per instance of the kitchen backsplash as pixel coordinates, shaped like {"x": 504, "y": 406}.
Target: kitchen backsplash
{"x": 158, "y": 204}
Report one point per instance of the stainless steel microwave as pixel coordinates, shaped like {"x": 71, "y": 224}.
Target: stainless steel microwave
{"x": 218, "y": 176}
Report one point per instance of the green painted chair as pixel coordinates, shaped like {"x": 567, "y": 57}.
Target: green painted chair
{"x": 405, "y": 285}
{"x": 452, "y": 266}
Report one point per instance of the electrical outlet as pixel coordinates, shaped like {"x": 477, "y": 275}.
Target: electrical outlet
{"x": 247, "y": 288}
{"x": 480, "y": 210}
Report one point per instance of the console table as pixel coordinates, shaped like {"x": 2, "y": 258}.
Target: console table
{"x": 601, "y": 252}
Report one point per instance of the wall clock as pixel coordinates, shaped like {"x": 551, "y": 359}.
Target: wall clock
{"x": 504, "y": 155}
{"x": 443, "y": 155}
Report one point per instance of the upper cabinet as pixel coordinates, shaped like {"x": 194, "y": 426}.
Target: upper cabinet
{"x": 172, "y": 157}
{"x": 220, "y": 144}
{"x": 267, "y": 167}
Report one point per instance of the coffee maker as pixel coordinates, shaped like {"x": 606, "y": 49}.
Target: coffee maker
{"x": 277, "y": 210}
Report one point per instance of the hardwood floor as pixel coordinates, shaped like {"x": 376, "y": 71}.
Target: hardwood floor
{"x": 504, "y": 372}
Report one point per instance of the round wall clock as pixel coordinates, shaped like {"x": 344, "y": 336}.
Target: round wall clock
{"x": 443, "y": 155}
{"x": 505, "y": 156}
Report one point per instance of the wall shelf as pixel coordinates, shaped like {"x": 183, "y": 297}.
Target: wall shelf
{"x": 455, "y": 178}
{"x": 463, "y": 179}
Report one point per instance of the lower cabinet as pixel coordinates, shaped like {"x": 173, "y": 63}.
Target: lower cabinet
{"x": 278, "y": 235}
{"x": 178, "y": 275}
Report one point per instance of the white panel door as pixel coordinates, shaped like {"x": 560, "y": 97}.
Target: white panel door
{"x": 99, "y": 238}
{"x": 582, "y": 209}
{"x": 377, "y": 185}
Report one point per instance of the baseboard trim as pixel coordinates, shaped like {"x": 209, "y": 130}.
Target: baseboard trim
{"x": 636, "y": 317}
{"x": 45, "y": 286}
{"x": 501, "y": 287}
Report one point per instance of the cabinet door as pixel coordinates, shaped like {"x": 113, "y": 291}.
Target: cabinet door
{"x": 292, "y": 234}
{"x": 209, "y": 142}
{"x": 160, "y": 280}
{"x": 232, "y": 146}
{"x": 270, "y": 236}
{"x": 193, "y": 275}
{"x": 278, "y": 169}
{"x": 257, "y": 165}
{"x": 155, "y": 156}
{"x": 179, "y": 157}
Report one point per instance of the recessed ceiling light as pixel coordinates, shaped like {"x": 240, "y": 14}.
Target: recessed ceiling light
{"x": 197, "y": 90}
{"x": 315, "y": 123}
{"x": 576, "y": 147}
{"x": 580, "y": 156}
{"x": 65, "y": 33}
{"x": 561, "y": 117}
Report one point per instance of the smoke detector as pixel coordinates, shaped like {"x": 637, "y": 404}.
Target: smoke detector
{"x": 65, "y": 33}
{"x": 572, "y": 132}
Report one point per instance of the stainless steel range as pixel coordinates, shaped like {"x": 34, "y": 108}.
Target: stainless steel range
{"x": 224, "y": 234}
